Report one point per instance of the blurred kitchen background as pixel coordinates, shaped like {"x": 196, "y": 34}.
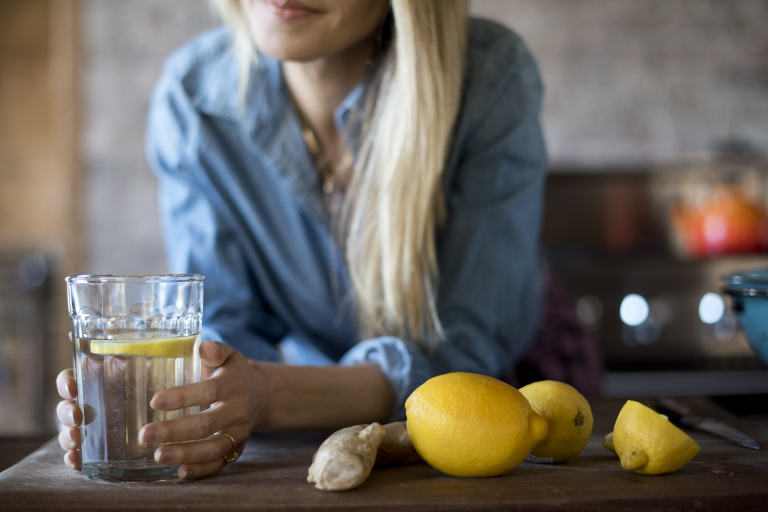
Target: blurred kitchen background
{"x": 656, "y": 117}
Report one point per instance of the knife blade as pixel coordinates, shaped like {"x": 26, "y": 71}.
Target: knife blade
{"x": 681, "y": 414}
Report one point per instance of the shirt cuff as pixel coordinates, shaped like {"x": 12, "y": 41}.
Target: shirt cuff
{"x": 402, "y": 363}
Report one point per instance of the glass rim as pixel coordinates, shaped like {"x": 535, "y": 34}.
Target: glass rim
{"x": 134, "y": 278}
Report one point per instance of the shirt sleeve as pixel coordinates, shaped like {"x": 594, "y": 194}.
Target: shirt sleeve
{"x": 197, "y": 238}
{"x": 490, "y": 285}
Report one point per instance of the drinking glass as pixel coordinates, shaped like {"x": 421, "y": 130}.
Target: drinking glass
{"x": 133, "y": 336}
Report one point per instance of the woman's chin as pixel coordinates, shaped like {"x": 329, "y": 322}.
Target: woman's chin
{"x": 324, "y": 28}
{"x": 288, "y": 52}
{"x": 288, "y": 48}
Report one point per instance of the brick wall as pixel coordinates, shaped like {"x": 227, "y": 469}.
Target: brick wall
{"x": 637, "y": 82}
{"x": 125, "y": 43}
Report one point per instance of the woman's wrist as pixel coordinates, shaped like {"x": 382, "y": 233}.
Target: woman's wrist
{"x": 322, "y": 396}
{"x": 266, "y": 377}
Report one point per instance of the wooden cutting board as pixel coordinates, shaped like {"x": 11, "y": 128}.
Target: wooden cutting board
{"x": 271, "y": 475}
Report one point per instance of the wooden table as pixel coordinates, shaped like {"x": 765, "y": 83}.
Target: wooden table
{"x": 271, "y": 475}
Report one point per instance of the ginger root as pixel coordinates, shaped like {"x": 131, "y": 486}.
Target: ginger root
{"x": 346, "y": 458}
{"x": 396, "y": 447}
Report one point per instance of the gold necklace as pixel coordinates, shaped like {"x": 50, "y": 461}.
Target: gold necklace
{"x": 327, "y": 174}
{"x": 330, "y": 174}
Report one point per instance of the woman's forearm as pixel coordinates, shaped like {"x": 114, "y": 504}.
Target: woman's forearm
{"x": 324, "y": 396}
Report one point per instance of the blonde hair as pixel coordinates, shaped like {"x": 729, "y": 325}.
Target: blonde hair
{"x": 395, "y": 202}
{"x": 231, "y": 12}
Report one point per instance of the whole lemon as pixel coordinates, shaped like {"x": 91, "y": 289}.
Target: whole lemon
{"x": 471, "y": 425}
{"x": 568, "y": 415}
{"x": 648, "y": 443}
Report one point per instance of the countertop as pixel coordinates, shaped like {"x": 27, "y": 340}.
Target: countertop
{"x": 272, "y": 473}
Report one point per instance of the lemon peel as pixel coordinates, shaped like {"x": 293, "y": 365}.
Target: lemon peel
{"x": 470, "y": 425}
{"x": 648, "y": 443}
{"x": 153, "y": 347}
{"x": 608, "y": 439}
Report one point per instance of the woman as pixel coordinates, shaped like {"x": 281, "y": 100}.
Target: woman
{"x": 362, "y": 191}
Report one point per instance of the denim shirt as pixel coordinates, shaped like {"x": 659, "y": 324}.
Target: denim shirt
{"x": 241, "y": 202}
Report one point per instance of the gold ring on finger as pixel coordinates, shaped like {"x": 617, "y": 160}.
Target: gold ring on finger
{"x": 232, "y": 455}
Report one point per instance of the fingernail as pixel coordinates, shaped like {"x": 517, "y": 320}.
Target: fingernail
{"x": 216, "y": 345}
{"x": 148, "y": 435}
{"x": 159, "y": 402}
{"x": 70, "y": 415}
{"x": 182, "y": 473}
{"x": 74, "y": 436}
{"x": 164, "y": 457}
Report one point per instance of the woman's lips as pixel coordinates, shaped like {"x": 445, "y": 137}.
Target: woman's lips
{"x": 289, "y": 9}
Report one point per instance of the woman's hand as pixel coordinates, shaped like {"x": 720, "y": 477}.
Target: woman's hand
{"x": 237, "y": 395}
{"x": 230, "y": 385}
{"x": 70, "y": 416}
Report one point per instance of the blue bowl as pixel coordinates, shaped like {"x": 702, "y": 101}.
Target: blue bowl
{"x": 749, "y": 291}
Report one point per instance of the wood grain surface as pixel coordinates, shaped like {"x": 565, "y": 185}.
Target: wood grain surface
{"x": 271, "y": 475}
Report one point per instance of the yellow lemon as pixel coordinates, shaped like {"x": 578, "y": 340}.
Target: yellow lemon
{"x": 608, "y": 439}
{"x": 471, "y": 425}
{"x": 569, "y": 418}
{"x": 608, "y": 442}
{"x": 183, "y": 346}
{"x": 648, "y": 443}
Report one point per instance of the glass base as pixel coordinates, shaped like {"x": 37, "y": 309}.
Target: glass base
{"x": 130, "y": 471}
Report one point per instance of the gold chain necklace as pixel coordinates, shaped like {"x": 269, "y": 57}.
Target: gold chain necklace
{"x": 329, "y": 174}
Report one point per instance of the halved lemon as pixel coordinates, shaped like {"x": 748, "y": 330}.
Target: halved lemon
{"x": 183, "y": 346}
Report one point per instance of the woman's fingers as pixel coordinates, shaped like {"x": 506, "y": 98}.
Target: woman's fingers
{"x": 69, "y": 414}
{"x": 193, "y": 471}
{"x": 223, "y": 383}
{"x": 215, "y": 353}
{"x": 210, "y": 450}
{"x": 230, "y": 390}
{"x": 191, "y": 427}
{"x": 211, "y": 355}
{"x": 66, "y": 384}
{"x": 69, "y": 438}
{"x": 72, "y": 460}
{"x": 204, "y": 392}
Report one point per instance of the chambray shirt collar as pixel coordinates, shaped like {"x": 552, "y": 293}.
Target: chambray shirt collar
{"x": 268, "y": 125}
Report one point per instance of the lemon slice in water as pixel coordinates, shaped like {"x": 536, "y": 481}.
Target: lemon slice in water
{"x": 152, "y": 347}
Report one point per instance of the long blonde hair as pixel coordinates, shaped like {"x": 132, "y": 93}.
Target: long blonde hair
{"x": 395, "y": 202}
